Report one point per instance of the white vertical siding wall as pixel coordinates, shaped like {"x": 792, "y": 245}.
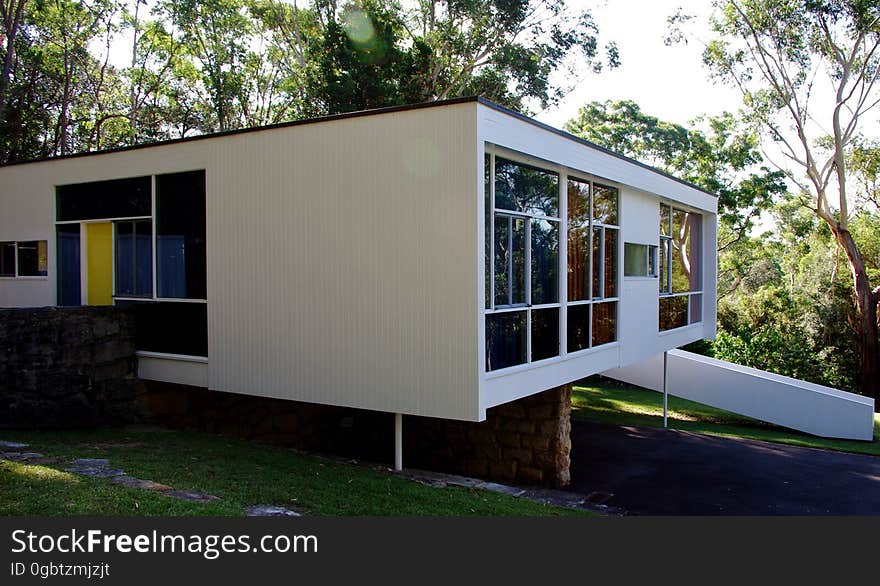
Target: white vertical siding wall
{"x": 342, "y": 263}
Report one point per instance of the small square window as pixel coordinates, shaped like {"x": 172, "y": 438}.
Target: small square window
{"x": 639, "y": 260}
{"x": 32, "y": 259}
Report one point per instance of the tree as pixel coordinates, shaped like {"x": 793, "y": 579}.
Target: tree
{"x": 724, "y": 159}
{"x": 779, "y": 54}
{"x": 505, "y": 50}
{"x": 12, "y": 15}
{"x": 360, "y": 61}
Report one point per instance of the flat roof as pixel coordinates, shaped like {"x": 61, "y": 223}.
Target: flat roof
{"x": 372, "y": 112}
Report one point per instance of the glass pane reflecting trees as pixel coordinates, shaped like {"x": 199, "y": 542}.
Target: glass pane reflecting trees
{"x": 523, "y": 239}
{"x": 680, "y": 267}
{"x": 522, "y": 209}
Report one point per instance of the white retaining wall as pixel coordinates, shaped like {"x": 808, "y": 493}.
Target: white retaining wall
{"x": 773, "y": 398}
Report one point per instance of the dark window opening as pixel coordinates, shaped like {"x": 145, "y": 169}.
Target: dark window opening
{"x": 181, "y": 242}
{"x": 7, "y": 259}
{"x": 69, "y": 275}
{"x": 117, "y": 198}
{"x": 505, "y": 340}
{"x": 169, "y": 327}
{"x": 33, "y": 260}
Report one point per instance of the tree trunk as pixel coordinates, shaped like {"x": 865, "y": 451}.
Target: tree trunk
{"x": 13, "y": 14}
{"x": 866, "y": 303}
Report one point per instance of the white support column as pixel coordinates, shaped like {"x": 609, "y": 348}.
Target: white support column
{"x": 665, "y": 389}
{"x": 398, "y": 442}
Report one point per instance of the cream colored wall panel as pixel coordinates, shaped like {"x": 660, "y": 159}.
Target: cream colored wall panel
{"x": 342, "y": 263}
{"x": 170, "y": 370}
{"x": 26, "y": 214}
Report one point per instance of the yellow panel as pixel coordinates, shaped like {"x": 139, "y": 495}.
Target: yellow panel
{"x": 99, "y": 242}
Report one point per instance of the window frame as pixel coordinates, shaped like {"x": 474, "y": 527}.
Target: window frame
{"x": 527, "y": 307}
{"x": 133, "y": 222}
{"x": 652, "y": 254}
{"x": 152, "y": 217}
{"x": 489, "y": 307}
{"x": 16, "y": 274}
{"x": 592, "y": 299}
{"x": 667, "y": 292}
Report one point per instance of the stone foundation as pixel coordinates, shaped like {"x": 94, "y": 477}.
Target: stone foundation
{"x": 67, "y": 367}
{"x": 526, "y": 441}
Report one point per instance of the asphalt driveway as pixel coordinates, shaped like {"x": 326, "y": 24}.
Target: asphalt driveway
{"x": 666, "y": 472}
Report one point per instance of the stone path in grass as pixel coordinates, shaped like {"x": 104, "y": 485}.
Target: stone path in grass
{"x": 100, "y": 468}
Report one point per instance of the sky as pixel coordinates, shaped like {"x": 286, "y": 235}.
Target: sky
{"x": 667, "y": 82}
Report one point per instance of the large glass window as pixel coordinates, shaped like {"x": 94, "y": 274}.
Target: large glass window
{"x": 681, "y": 297}
{"x": 181, "y": 235}
{"x": 524, "y": 232}
{"x": 592, "y": 264}
{"x": 522, "y": 278}
{"x": 134, "y": 258}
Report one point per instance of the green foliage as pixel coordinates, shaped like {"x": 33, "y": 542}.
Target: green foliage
{"x": 785, "y": 302}
{"x": 213, "y": 65}
{"x": 360, "y": 63}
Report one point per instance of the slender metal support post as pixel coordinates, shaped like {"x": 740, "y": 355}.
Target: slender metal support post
{"x": 398, "y": 442}
{"x": 665, "y": 389}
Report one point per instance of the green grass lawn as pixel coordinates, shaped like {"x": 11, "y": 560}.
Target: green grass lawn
{"x": 241, "y": 473}
{"x": 601, "y": 399}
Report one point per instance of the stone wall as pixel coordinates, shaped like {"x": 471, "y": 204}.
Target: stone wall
{"x": 67, "y": 367}
{"x": 526, "y": 441}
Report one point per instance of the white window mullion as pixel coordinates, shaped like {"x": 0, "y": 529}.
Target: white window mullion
{"x": 491, "y": 235}
{"x": 509, "y": 260}
{"x": 154, "y": 240}
{"x": 602, "y": 262}
{"x": 528, "y": 282}
{"x": 528, "y": 263}
{"x": 591, "y": 286}
{"x": 562, "y": 242}
{"x": 113, "y": 267}
{"x": 529, "y": 335}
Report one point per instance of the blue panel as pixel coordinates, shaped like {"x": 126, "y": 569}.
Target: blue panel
{"x": 124, "y": 257}
{"x": 171, "y": 259}
{"x": 143, "y": 259}
{"x": 69, "y": 280}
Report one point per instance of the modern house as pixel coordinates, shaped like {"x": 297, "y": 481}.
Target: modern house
{"x": 434, "y": 260}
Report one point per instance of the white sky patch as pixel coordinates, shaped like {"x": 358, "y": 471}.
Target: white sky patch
{"x": 667, "y": 82}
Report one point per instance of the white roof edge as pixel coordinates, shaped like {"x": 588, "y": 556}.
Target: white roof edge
{"x": 519, "y": 133}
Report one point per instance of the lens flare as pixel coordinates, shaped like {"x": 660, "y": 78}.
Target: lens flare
{"x": 358, "y": 27}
